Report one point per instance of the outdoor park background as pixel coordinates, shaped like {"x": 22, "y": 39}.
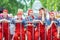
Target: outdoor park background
{"x": 14, "y": 5}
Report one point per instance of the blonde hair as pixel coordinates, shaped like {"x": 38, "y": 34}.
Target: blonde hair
{"x": 20, "y": 10}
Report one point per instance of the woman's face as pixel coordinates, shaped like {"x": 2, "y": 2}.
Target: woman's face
{"x": 31, "y": 13}
{"x": 41, "y": 11}
{"x": 40, "y": 14}
{"x": 52, "y": 16}
{"x": 5, "y": 13}
{"x": 20, "y": 14}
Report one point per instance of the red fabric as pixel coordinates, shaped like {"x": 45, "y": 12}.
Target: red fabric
{"x": 19, "y": 32}
{"x": 36, "y": 35}
{"x": 6, "y": 31}
{"x": 52, "y": 33}
{"x": 30, "y": 32}
{"x": 0, "y": 35}
{"x": 0, "y": 32}
{"x": 40, "y": 32}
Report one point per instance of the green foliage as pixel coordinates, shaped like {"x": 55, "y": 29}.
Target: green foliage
{"x": 51, "y": 4}
{"x": 13, "y": 5}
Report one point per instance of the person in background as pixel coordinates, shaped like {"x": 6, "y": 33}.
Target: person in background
{"x": 19, "y": 30}
{"x": 58, "y": 18}
{"x": 29, "y": 26}
{"x": 49, "y": 25}
{"x": 12, "y": 26}
{"x": 6, "y": 29}
{"x": 51, "y": 18}
{"x": 30, "y": 15}
{"x": 5, "y": 14}
{"x": 41, "y": 15}
{"x": 40, "y": 26}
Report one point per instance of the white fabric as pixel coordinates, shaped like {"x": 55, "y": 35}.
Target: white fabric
{"x": 12, "y": 29}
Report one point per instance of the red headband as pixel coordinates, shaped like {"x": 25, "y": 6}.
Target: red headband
{"x": 5, "y": 10}
{"x": 51, "y": 13}
{"x": 29, "y": 11}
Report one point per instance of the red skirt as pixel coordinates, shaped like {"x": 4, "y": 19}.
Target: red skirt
{"x": 40, "y": 32}
{"x": 6, "y": 30}
{"x": 52, "y": 32}
{"x": 1, "y": 33}
{"x": 19, "y": 32}
{"x": 30, "y": 32}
